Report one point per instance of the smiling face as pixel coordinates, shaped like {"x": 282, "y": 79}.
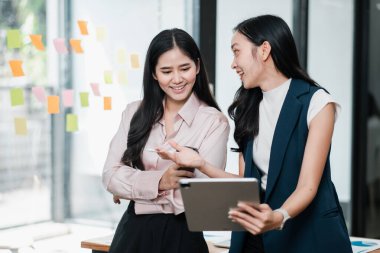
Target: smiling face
{"x": 176, "y": 73}
{"x": 246, "y": 62}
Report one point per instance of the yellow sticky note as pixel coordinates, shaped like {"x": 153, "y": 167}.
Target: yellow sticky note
{"x": 100, "y": 33}
{"x": 16, "y": 68}
{"x": 122, "y": 77}
{"x": 53, "y": 104}
{"x": 107, "y": 103}
{"x": 14, "y": 39}
{"x": 135, "y": 64}
{"x": 17, "y": 96}
{"x": 121, "y": 56}
{"x": 76, "y": 46}
{"x": 71, "y": 122}
{"x": 84, "y": 99}
{"x": 21, "y": 126}
{"x": 83, "y": 27}
{"x": 108, "y": 76}
{"x": 37, "y": 41}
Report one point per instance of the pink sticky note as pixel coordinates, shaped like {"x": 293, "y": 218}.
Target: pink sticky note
{"x": 59, "y": 44}
{"x": 68, "y": 98}
{"x": 95, "y": 89}
{"x": 39, "y": 93}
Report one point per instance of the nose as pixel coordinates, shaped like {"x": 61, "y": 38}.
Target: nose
{"x": 233, "y": 64}
{"x": 177, "y": 77}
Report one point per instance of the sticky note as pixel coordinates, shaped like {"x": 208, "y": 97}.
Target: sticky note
{"x": 83, "y": 27}
{"x": 100, "y": 33}
{"x": 107, "y": 103}
{"x": 21, "y": 126}
{"x": 37, "y": 41}
{"x": 16, "y": 68}
{"x": 39, "y": 93}
{"x": 121, "y": 56}
{"x": 68, "y": 98}
{"x": 76, "y": 46}
{"x": 135, "y": 61}
{"x": 17, "y": 96}
{"x": 14, "y": 39}
{"x": 53, "y": 104}
{"x": 71, "y": 122}
{"x": 84, "y": 99}
{"x": 59, "y": 44}
{"x": 108, "y": 76}
{"x": 95, "y": 89}
{"x": 122, "y": 77}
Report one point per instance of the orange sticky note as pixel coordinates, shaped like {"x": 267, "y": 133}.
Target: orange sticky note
{"x": 83, "y": 27}
{"x": 76, "y": 46}
{"x": 107, "y": 103}
{"x": 16, "y": 68}
{"x": 20, "y": 126}
{"x": 37, "y": 41}
{"x": 135, "y": 64}
{"x": 53, "y": 104}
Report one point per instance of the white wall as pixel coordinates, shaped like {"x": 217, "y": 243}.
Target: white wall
{"x": 330, "y": 57}
{"x": 229, "y": 14}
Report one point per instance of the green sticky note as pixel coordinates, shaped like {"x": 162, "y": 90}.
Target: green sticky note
{"x": 71, "y": 122}
{"x": 108, "y": 77}
{"x": 84, "y": 99}
{"x": 17, "y": 96}
{"x": 14, "y": 39}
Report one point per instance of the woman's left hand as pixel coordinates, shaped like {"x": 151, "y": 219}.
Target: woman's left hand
{"x": 256, "y": 219}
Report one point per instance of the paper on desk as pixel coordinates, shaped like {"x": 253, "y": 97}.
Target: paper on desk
{"x": 363, "y": 245}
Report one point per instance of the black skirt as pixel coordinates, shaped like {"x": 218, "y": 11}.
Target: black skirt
{"x": 166, "y": 233}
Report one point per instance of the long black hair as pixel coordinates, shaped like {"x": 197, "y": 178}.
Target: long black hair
{"x": 151, "y": 108}
{"x": 244, "y": 110}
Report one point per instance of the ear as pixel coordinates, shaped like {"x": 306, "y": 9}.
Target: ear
{"x": 265, "y": 50}
{"x": 198, "y": 65}
{"x": 154, "y": 76}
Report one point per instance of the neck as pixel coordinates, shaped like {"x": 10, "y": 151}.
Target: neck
{"x": 272, "y": 78}
{"x": 172, "y": 106}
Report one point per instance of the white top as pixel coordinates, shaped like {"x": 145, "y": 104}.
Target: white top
{"x": 269, "y": 110}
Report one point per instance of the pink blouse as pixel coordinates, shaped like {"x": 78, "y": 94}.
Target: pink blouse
{"x": 196, "y": 125}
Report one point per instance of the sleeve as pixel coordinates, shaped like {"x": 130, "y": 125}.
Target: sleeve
{"x": 214, "y": 146}
{"x": 122, "y": 180}
{"x": 318, "y": 101}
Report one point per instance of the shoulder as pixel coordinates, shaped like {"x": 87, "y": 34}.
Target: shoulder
{"x": 131, "y": 108}
{"x": 212, "y": 113}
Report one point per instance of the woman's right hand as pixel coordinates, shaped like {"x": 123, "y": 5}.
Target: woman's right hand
{"x": 170, "y": 179}
{"x": 184, "y": 157}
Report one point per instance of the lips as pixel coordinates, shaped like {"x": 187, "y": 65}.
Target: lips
{"x": 178, "y": 89}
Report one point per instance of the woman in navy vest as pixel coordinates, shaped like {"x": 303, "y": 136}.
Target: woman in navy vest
{"x": 284, "y": 123}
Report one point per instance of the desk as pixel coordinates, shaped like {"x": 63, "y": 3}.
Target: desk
{"x": 102, "y": 245}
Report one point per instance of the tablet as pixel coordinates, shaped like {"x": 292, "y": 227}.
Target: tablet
{"x": 208, "y": 200}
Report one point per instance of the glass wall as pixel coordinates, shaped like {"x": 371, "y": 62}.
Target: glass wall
{"x": 117, "y": 32}
{"x": 25, "y": 129}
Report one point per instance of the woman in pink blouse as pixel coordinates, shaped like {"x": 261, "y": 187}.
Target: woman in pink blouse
{"x": 177, "y": 105}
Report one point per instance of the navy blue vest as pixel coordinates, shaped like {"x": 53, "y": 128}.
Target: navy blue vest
{"x": 320, "y": 227}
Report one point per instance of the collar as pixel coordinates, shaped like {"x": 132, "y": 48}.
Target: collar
{"x": 188, "y": 110}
